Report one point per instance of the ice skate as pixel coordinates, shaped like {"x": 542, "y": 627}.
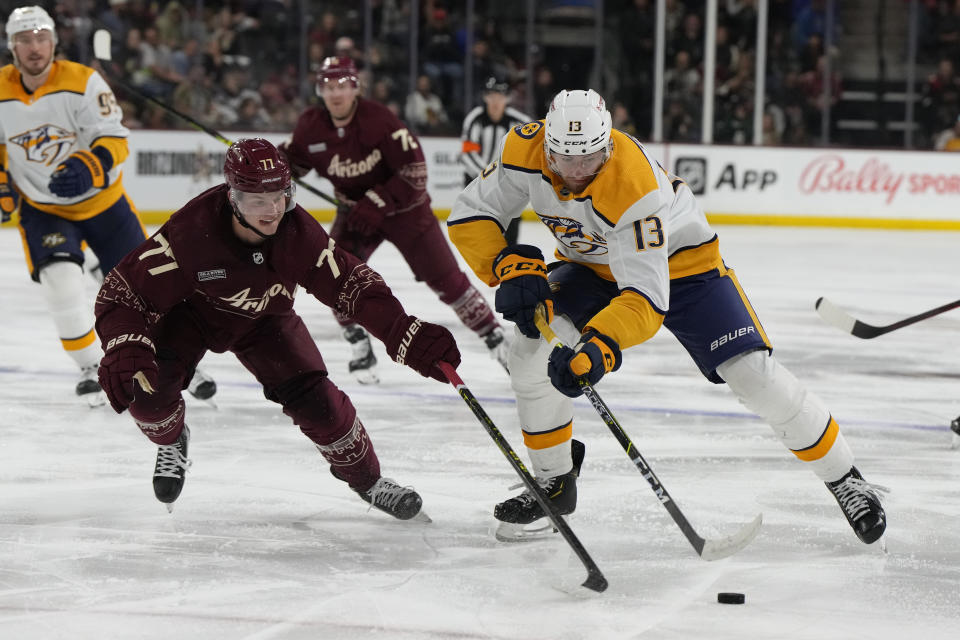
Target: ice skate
{"x": 171, "y": 469}
{"x": 860, "y": 502}
{"x": 202, "y": 386}
{"x": 522, "y": 518}
{"x": 88, "y": 387}
{"x": 498, "y": 346}
{"x": 403, "y": 503}
{"x": 362, "y": 363}
{"x": 955, "y": 428}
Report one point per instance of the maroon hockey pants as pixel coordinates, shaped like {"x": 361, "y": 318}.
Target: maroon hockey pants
{"x": 280, "y": 353}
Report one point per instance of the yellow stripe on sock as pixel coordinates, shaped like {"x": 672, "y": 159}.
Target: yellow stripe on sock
{"x": 76, "y": 344}
{"x": 550, "y": 438}
{"x": 820, "y": 448}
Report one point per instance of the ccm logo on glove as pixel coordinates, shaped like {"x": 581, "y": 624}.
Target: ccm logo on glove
{"x": 130, "y": 337}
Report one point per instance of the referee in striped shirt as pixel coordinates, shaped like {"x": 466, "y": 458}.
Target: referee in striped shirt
{"x": 483, "y": 128}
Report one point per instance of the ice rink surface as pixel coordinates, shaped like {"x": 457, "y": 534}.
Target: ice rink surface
{"x": 265, "y": 544}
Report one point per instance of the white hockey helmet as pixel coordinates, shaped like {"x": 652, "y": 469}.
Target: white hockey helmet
{"x": 32, "y": 18}
{"x": 578, "y": 123}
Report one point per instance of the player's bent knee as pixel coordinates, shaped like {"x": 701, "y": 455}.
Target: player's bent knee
{"x": 769, "y": 390}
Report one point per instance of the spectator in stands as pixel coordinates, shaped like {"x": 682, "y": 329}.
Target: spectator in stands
{"x": 812, "y": 19}
{"x": 949, "y": 139}
{"x": 621, "y": 119}
{"x": 544, "y": 88}
{"x": 940, "y": 99}
{"x": 689, "y": 39}
{"x": 814, "y": 84}
{"x": 424, "y": 111}
{"x": 440, "y": 58}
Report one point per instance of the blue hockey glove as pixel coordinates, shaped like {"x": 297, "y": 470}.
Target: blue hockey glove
{"x": 595, "y": 355}
{"x": 9, "y": 198}
{"x": 80, "y": 172}
{"x": 523, "y": 285}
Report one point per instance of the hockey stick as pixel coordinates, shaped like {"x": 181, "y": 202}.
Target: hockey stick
{"x": 595, "y": 579}
{"x": 714, "y": 549}
{"x": 842, "y": 320}
{"x": 101, "y": 51}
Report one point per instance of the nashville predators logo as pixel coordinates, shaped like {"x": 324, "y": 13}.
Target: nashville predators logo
{"x": 47, "y": 143}
{"x": 570, "y": 234}
{"x": 52, "y": 240}
{"x": 528, "y": 130}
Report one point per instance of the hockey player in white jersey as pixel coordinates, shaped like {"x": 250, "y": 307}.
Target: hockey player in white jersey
{"x": 634, "y": 252}
{"x": 61, "y": 147}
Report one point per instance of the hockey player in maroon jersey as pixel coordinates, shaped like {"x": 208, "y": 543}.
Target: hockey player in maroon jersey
{"x": 378, "y": 171}
{"x": 221, "y": 275}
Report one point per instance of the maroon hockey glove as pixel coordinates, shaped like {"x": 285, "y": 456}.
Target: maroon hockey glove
{"x": 128, "y": 361}
{"x": 367, "y": 215}
{"x": 420, "y": 345}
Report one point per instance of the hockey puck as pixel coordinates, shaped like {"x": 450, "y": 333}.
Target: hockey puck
{"x": 730, "y": 598}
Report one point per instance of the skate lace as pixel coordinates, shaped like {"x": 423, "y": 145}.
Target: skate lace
{"x": 386, "y": 493}
{"x": 854, "y": 496}
{"x": 170, "y": 461}
{"x": 527, "y": 496}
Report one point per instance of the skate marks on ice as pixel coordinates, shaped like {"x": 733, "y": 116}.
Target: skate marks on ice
{"x": 264, "y": 543}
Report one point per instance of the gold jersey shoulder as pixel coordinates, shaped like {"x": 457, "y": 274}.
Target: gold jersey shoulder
{"x": 627, "y": 177}
{"x": 523, "y": 148}
{"x": 64, "y": 76}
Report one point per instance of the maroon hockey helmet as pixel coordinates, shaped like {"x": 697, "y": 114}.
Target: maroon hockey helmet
{"x": 337, "y": 69}
{"x": 254, "y": 165}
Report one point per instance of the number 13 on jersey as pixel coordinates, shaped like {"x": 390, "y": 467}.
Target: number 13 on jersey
{"x": 649, "y": 233}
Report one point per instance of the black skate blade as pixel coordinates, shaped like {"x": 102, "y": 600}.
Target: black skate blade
{"x": 537, "y": 530}
{"x": 421, "y": 517}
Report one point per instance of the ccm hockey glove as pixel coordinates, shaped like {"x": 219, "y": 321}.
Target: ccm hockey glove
{"x": 127, "y": 358}
{"x": 595, "y": 355}
{"x": 9, "y": 198}
{"x": 80, "y": 172}
{"x": 523, "y": 285}
{"x": 420, "y": 345}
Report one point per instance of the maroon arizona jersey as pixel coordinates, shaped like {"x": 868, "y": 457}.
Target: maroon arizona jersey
{"x": 195, "y": 259}
{"x": 375, "y": 151}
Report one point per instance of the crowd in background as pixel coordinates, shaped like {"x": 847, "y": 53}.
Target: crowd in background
{"x": 239, "y": 65}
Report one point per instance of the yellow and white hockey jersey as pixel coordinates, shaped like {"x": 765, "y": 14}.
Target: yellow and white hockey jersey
{"x": 74, "y": 110}
{"x": 634, "y": 225}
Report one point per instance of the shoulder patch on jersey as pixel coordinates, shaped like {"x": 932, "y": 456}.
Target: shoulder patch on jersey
{"x": 524, "y": 151}
{"x": 529, "y": 129}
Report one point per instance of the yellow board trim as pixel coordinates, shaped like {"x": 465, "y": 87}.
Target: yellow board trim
{"x": 833, "y": 221}
{"x": 548, "y": 439}
{"x": 76, "y": 344}
{"x": 823, "y": 445}
{"x": 157, "y": 217}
